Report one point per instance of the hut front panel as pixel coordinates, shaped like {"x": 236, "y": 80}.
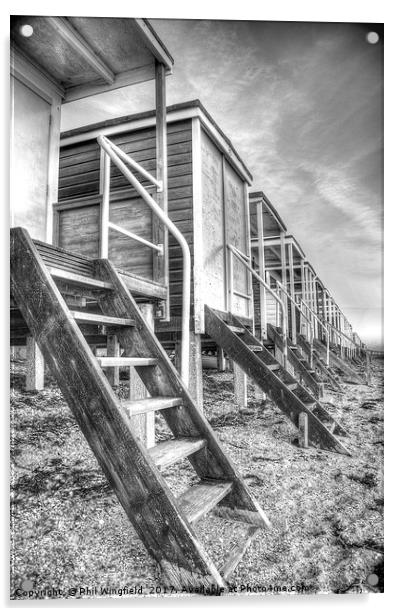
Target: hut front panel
{"x": 236, "y": 221}
{"x": 80, "y": 177}
{"x": 78, "y": 230}
{"x": 214, "y": 283}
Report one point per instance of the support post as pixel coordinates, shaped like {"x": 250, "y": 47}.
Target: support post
{"x": 368, "y": 367}
{"x": 195, "y": 384}
{"x": 303, "y": 430}
{"x": 261, "y": 262}
{"x": 240, "y": 386}
{"x": 284, "y": 272}
{"x": 105, "y": 165}
{"x": 34, "y": 366}
{"x": 113, "y": 350}
{"x": 221, "y": 360}
{"x": 162, "y": 164}
{"x": 291, "y": 287}
{"x": 143, "y": 425}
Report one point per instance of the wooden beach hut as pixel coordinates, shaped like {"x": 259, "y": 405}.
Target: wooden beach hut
{"x": 207, "y": 200}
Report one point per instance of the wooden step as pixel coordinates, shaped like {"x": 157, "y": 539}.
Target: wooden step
{"x": 78, "y": 279}
{"x": 237, "y": 552}
{"x": 167, "y": 453}
{"x": 310, "y": 405}
{"x": 274, "y": 366}
{"x": 198, "y": 500}
{"x": 101, "y": 319}
{"x": 148, "y": 405}
{"x": 112, "y": 362}
{"x": 237, "y": 330}
{"x": 291, "y": 386}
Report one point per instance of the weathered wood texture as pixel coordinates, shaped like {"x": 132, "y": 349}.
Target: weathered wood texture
{"x": 142, "y": 425}
{"x": 327, "y": 374}
{"x": 222, "y": 211}
{"x": 336, "y": 361}
{"x": 288, "y": 395}
{"x": 79, "y": 177}
{"x": 130, "y": 469}
{"x": 163, "y": 380}
{"x": 301, "y": 368}
{"x": 288, "y": 379}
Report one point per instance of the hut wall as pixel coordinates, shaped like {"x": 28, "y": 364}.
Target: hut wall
{"x": 79, "y": 227}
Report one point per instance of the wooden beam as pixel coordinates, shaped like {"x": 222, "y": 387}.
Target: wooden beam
{"x": 127, "y": 78}
{"x": 154, "y": 44}
{"x": 198, "y": 257}
{"x": 113, "y": 350}
{"x": 164, "y": 380}
{"x": 240, "y": 386}
{"x": 68, "y": 33}
{"x": 142, "y": 425}
{"x": 291, "y": 289}
{"x": 162, "y": 176}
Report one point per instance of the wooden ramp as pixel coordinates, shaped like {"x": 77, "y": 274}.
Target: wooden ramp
{"x": 261, "y": 366}
{"x": 163, "y": 522}
{"x": 327, "y": 373}
{"x": 307, "y": 375}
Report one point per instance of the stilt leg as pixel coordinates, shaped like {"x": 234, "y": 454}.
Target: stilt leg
{"x": 34, "y": 366}
{"x": 240, "y": 386}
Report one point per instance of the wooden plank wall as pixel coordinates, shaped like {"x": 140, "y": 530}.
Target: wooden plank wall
{"x": 80, "y": 177}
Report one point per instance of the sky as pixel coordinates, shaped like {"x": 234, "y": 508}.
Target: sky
{"x": 302, "y": 104}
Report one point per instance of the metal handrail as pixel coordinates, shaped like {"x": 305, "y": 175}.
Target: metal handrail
{"x": 116, "y": 154}
{"x": 322, "y": 324}
{"x": 131, "y": 162}
{"x": 340, "y": 333}
{"x": 243, "y": 259}
{"x": 282, "y": 288}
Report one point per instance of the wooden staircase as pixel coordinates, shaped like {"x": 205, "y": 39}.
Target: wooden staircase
{"x": 261, "y": 366}
{"x": 163, "y": 522}
{"x": 327, "y": 373}
{"x": 349, "y": 372}
{"x": 307, "y": 375}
